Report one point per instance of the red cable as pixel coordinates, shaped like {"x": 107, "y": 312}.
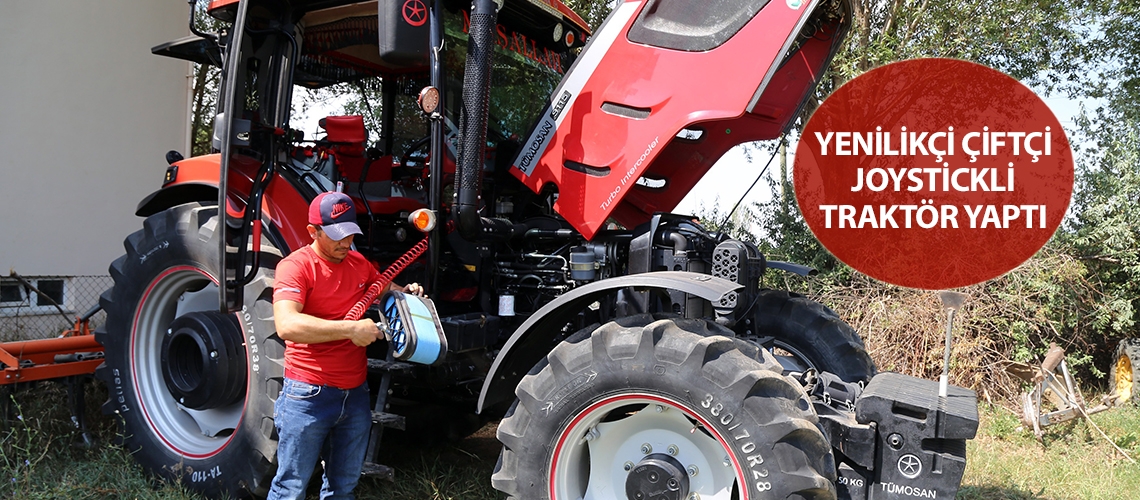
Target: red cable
{"x": 386, "y": 277}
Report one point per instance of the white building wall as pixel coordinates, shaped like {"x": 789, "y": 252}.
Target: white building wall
{"x": 87, "y": 115}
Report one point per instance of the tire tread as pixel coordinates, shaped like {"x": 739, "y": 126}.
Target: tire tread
{"x": 815, "y": 330}
{"x": 188, "y": 231}
{"x": 696, "y": 350}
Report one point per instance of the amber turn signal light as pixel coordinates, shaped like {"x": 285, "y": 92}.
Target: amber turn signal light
{"x": 422, "y": 219}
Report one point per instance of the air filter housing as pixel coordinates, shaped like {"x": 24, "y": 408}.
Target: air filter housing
{"x": 412, "y": 325}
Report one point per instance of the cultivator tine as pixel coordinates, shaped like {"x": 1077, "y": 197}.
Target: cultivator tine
{"x": 951, "y": 301}
{"x": 76, "y": 403}
{"x": 1059, "y": 390}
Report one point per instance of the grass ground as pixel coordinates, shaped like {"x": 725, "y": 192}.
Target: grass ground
{"x": 38, "y": 460}
{"x": 1072, "y": 461}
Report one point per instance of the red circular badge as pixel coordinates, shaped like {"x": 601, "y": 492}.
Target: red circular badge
{"x": 415, "y": 12}
{"x": 933, "y": 173}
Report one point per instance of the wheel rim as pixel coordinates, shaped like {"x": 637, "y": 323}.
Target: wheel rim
{"x": 1123, "y": 378}
{"x": 190, "y": 433}
{"x": 596, "y": 451}
{"x": 794, "y": 360}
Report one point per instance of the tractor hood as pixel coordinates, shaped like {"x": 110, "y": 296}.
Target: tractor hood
{"x": 663, "y": 90}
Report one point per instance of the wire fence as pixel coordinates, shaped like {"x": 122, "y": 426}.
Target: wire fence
{"x": 38, "y": 307}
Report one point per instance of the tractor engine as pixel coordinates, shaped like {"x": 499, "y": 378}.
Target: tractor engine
{"x": 549, "y": 263}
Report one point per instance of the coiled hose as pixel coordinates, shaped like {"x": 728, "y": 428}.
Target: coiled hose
{"x": 386, "y": 277}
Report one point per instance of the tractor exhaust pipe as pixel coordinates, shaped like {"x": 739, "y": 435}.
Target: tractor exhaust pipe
{"x": 473, "y": 120}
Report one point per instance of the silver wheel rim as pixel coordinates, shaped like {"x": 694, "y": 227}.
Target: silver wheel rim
{"x": 186, "y": 432}
{"x": 593, "y": 453}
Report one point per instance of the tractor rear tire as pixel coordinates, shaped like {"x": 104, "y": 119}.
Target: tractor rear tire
{"x": 812, "y": 333}
{"x": 221, "y": 448}
{"x": 651, "y": 406}
{"x": 1124, "y": 373}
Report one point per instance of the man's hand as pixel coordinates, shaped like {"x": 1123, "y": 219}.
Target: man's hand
{"x": 410, "y": 288}
{"x": 364, "y": 332}
{"x": 413, "y": 288}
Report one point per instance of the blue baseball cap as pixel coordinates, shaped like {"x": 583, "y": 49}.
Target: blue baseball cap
{"x": 335, "y": 214}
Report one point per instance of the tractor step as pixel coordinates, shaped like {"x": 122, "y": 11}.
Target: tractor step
{"x": 389, "y": 420}
{"x": 380, "y": 365}
{"x": 378, "y": 471}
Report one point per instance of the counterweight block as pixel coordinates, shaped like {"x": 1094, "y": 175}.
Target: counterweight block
{"x": 921, "y": 442}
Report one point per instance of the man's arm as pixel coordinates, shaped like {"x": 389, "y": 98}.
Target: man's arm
{"x": 296, "y": 326}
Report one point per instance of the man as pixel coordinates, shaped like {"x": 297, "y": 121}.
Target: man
{"x": 323, "y": 411}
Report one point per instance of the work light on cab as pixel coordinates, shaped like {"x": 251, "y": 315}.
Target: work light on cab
{"x": 428, "y": 99}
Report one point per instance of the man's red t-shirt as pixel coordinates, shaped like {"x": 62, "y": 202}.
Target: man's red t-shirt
{"x": 325, "y": 290}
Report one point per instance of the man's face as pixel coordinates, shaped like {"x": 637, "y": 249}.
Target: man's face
{"x": 332, "y": 250}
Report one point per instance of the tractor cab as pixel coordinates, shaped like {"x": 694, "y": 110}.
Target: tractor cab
{"x": 381, "y": 159}
{"x": 280, "y": 108}
{"x": 300, "y": 59}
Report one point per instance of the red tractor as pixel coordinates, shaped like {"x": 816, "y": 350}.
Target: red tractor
{"x": 631, "y": 353}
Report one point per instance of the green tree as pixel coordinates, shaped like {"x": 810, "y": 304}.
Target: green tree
{"x": 785, "y": 235}
{"x": 1037, "y": 42}
{"x": 592, "y": 11}
{"x": 1103, "y": 230}
{"x": 204, "y": 93}
{"x": 205, "y": 96}
{"x": 1110, "y": 57}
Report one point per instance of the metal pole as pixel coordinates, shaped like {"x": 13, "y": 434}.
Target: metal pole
{"x": 226, "y": 132}
{"x": 944, "y": 379}
{"x": 952, "y": 301}
{"x": 437, "y": 148}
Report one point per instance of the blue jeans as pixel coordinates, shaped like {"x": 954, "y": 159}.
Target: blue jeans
{"x": 315, "y": 421}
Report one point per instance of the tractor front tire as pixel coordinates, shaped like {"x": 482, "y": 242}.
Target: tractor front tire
{"x": 1124, "y": 373}
{"x": 643, "y": 407}
{"x": 812, "y": 334}
{"x": 192, "y": 388}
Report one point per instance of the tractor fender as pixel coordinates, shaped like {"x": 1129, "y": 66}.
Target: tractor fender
{"x": 531, "y": 341}
{"x": 195, "y": 179}
{"x": 176, "y": 194}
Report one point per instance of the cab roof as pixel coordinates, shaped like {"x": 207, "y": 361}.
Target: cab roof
{"x": 536, "y": 12}
{"x": 341, "y": 36}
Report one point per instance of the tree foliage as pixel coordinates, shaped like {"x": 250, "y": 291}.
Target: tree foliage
{"x": 1110, "y": 59}
{"x": 205, "y": 97}
{"x": 1035, "y": 41}
{"x": 1103, "y": 229}
{"x": 592, "y": 11}
{"x": 204, "y": 93}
